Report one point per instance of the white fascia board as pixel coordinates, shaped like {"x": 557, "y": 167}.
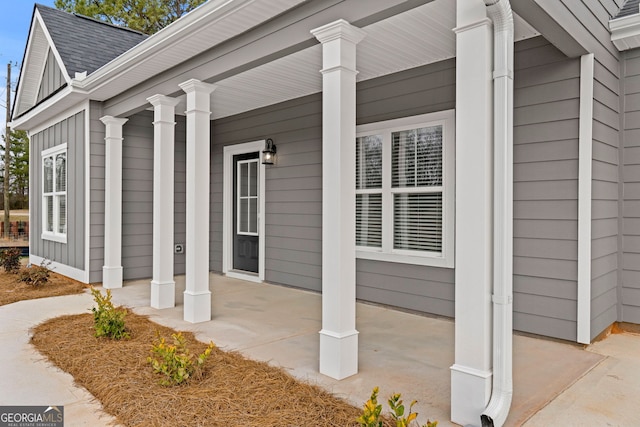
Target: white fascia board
{"x": 625, "y": 32}
{"x": 48, "y": 110}
{"x": 53, "y": 47}
{"x": 160, "y": 41}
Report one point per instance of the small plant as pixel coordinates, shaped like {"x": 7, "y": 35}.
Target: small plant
{"x": 107, "y": 320}
{"x": 175, "y": 361}
{"x": 371, "y": 412}
{"x": 10, "y": 260}
{"x": 36, "y": 275}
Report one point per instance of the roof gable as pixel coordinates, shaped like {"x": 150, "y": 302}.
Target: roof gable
{"x": 76, "y": 43}
{"x": 86, "y": 44}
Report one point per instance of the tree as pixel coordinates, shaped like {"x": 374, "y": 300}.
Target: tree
{"x": 147, "y": 16}
{"x": 18, "y": 168}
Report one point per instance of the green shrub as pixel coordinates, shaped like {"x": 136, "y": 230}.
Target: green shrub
{"x": 108, "y": 320}
{"x": 175, "y": 361}
{"x": 36, "y": 275}
{"x": 10, "y": 259}
{"x": 371, "y": 412}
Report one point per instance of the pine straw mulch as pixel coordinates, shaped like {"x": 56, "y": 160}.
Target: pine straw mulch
{"x": 13, "y": 290}
{"x": 235, "y": 391}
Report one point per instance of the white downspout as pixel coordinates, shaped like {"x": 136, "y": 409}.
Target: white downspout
{"x": 496, "y": 412}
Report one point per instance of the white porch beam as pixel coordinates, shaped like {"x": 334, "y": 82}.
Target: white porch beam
{"x": 471, "y": 375}
{"x": 112, "y": 269}
{"x": 197, "y": 296}
{"x": 338, "y": 337}
{"x": 163, "y": 286}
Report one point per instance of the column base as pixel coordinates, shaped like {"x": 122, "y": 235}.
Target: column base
{"x": 197, "y": 306}
{"x": 163, "y": 294}
{"x": 338, "y": 354}
{"x": 470, "y": 394}
{"x": 111, "y": 277}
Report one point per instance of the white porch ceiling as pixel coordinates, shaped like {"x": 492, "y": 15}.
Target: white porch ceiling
{"x": 417, "y": 37}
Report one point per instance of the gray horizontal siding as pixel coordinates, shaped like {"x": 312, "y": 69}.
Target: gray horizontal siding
{"x": 52, "y": 78}
{"x": 630, "y": 259}
{"x": 293, "y": 193}
{"x": 72, "y": 132}
{"x": 137, "y": 196}
{"x": 96, "y": 205}
{"x": 294, "y": 187}
{"x": 546, "y": 109}
{"x": 605, "y": 203}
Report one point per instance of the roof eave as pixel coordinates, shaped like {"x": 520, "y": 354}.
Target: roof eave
{"x": 49, "y": 109}
{"x": 156, "y": 43}
{"x": 625, "y": 32}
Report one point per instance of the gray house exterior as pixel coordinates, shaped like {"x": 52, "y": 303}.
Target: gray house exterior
{"x": 245, "y": 72}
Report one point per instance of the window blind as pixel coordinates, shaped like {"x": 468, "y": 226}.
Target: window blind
{"x": 369, "y": 220}
{"x": 417, "y": 221}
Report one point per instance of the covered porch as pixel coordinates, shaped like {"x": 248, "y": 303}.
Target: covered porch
{"x": 398, "y": 352}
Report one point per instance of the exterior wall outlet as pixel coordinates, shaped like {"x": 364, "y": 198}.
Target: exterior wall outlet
{"x": 179, "y": 248}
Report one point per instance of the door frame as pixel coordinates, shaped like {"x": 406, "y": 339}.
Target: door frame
{"x": 227, "y": 210}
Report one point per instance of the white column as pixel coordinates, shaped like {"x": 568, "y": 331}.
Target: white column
{"x": 197, "y": 297}
{"x": 338, "y": 337}
{"x": 163, "y": 287}
{"x": 112, "y": 269}
{"x": 584, "y": 198}
{"x": 471, "y": 374}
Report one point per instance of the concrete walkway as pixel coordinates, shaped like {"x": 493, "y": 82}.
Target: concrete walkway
{"x": 555, "y": 383}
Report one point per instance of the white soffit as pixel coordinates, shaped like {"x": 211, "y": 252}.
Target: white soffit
{"x": 185, "y": 39}
{"x": 411, "y": 39}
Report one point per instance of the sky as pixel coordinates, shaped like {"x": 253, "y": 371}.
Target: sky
{"x": 15, "y": 19}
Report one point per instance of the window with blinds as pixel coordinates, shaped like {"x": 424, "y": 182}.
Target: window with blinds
{"x": 404, "y": 190}
{"x": 369, "y": 191}
{"x": 416, "y": 166}
{"x": 54, "y": 193}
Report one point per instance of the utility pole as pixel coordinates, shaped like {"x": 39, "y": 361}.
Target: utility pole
{"x": 7, "y": 155}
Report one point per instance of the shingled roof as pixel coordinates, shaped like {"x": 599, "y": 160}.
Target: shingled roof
{"x": 86, "y": 44}
{"x": 631, "y": 7}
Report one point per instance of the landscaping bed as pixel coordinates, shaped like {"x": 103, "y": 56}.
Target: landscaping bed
{"x": 234, "y": 391}
{"x": 12, "y": 290}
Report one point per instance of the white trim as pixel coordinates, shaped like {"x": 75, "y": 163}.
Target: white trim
{"x": 52, "y": 46}
{"x": 447, "y": 257}
{"x": 72, "y": 111}
{"x": 87, "y": 192}
{"x": 584, "y": 198}
{"x": 625, "y": 32}
{"x": 54, "y": 235}
{"x": 227, "y": 212}
{"x": 237, "y": 274}
{"x": 65, "y": 270}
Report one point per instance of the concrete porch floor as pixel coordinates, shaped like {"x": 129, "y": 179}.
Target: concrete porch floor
{"x": 555, "y": 383}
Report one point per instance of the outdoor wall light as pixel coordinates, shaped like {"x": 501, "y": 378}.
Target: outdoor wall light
{"x": 269, "y": 153}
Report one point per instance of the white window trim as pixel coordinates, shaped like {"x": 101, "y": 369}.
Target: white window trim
{"x": 48, "y": 235}
{"x": 248, "y": 197}
{"x": 447, "y": 257}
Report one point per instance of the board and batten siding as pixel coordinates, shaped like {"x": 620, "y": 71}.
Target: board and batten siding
{"x": 72, "y": 132}
{"x": 52, "y": 78}
{"x": 630, "y": 269}
{"x": 546, "y": 123}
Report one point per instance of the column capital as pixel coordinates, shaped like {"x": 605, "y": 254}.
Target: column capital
{"x": 110, "y": 120}
{"x": 163, "y": 100}
{"x": 339, "y": 29}
{"x": 195, "y": 85}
